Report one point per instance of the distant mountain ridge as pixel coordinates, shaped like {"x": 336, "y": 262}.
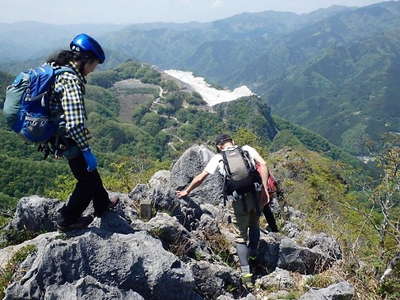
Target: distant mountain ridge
{"x": 137, "y": 112}
{"x": 334, "y": 70}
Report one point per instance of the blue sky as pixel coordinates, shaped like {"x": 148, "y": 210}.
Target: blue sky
{"x": 143, "y": 11}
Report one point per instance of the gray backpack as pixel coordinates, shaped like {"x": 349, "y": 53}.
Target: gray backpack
{"x": 240, "y": 174}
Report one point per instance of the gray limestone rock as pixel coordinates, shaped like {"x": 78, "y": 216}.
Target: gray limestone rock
{"x": 279, "y": 295}
{"x": 125, "y": 208}
{"x": 295, "y": 214}
{"x": 295, "y": 258}
{"x": 187, "y": 211}
{"x": 39, "y": 214}
{"x": 291, "y": 229}
{"x": 160, "y": 179}
{"x": 112, "y": 222}
{"x": 324, "y": 244}
{"x": 40, "y": 242}
{"x": 36, "y": 214}
{"x": 88, "y": 288}
{"x": 228, "y": 296}
{"x": 214, "y": 280}
{"x": 212, "y": 210}
{"x": 208, "y": 224}
{"x": 190, "y": 164}
{"x": 339, "y": 291}
{"x": 173, "y": 235}
{"x": 268, "y": 251}
{"x": 134, "y": 261}
{"x": 280, "y": 279}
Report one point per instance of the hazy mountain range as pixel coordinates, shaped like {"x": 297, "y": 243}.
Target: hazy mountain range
{"x": 334, "y": 71}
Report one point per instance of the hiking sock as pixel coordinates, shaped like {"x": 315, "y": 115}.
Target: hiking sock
{"x": 245, "y": 271}
{"x": 242, "y": 252}
{"x": 246, "y": 276}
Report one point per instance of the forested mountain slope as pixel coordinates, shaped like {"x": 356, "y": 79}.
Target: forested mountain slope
{"x": 137, "y": 112}
{"x": 327, "y": 184}
{"x": 334, "y": 71}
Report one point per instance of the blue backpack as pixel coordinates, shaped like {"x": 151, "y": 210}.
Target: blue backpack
{"x": 26, "y": 106}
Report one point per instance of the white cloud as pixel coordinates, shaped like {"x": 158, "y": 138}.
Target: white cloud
{"x": 217, "y": 3}
{"x": 185, "y": 2}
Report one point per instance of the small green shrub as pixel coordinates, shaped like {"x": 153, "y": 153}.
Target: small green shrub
{"x": 15, "y": 237}
{"x": 320, "y": 281}
{"x": 63, "y": 187}
{"x": 7, "y": 275}
{"x": 390, "y": 289}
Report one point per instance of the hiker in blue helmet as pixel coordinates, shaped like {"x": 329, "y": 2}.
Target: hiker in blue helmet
{"x": 68, "y": 107}
{"x": 84, "y": 43}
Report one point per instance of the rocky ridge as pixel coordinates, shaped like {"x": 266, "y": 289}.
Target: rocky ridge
{"x": 184, "y": 252}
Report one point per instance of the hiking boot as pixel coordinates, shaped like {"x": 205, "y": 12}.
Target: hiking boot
{"x": 114, "y": 200}
{"x": 82, "y": 223}
{"x": 247, "y": 280}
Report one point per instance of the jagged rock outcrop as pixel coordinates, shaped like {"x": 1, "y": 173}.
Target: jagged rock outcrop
{"x": 190, "y": 164}
{"x": 279, "y": 279}
{"x": 269, "y": 251}
{"x": 173, "y": 235}
{"x": 304, "y": 260}
{"x": 88, "y": 288}
{"x": 39, "y": 242}
{"x": 161, "y": 189}
{"x": 324, "y": 244}
{"x": 180, "y": 253}
{"x": 214, "y": 280}
{"x": 131, "y": 262}
{"x": 229, "y": 296}
{"x": 160, "y": 178}
{"x": 39, "y": 214}
{"x": 163, "y": 198}
{"x": 291, "y": 229}
{"x": 340, "y": 291}
{"x": 36, "y": 214}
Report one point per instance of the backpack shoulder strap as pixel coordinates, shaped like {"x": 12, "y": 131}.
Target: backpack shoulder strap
{"x": 64, "y": 69}
{"x": 226, "y": 164}
{"x": 246, "y": 157}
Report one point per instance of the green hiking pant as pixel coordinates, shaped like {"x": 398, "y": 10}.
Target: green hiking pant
{"x": 245, "y": 215}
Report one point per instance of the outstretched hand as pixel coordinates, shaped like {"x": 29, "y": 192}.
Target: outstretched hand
{"x": 182, "y": 194}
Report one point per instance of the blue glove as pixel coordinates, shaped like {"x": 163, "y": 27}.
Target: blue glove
{"x": 90, "y": 159}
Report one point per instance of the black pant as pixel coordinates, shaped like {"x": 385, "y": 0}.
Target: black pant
{"x": 89, "y": 187}
{"x": 269, "y": 216}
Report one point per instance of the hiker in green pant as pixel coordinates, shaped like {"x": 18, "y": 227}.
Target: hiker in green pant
{"x": 242, "y": 190}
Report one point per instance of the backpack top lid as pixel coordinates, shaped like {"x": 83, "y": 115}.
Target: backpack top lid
{"x": 237, "y": 163}
{"x": 40, "y": 80}
{"x": 26, "y": 106}
{"x": 240, "y": 173}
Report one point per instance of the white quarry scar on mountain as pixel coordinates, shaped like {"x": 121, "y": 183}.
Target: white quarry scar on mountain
{"x": 211, "y": 95}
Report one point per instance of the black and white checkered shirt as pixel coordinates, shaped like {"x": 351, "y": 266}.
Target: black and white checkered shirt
{"x": 69, "y": 105}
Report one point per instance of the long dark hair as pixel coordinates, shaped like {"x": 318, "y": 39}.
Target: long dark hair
{"x": 64, "y": 57}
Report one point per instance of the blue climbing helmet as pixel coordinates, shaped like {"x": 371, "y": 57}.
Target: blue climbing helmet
{"x": 84, "y": 42}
